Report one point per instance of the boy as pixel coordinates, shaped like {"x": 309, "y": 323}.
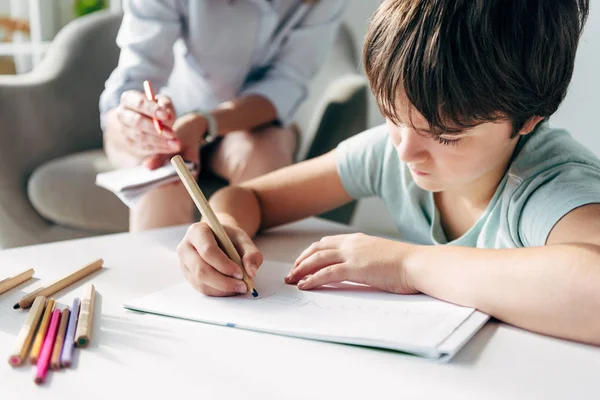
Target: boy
{"x": 465, "y": 160}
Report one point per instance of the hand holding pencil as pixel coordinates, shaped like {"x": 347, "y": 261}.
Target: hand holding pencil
{"x": 209, "y": 252}
{"x": 131, "y": 127}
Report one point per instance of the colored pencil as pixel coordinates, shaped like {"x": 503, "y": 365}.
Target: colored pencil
{"x": 60, "y": 284}
{"x": 150, "y": 96}
{"x": 41, "y": 333}
{"x": 44, "y": 360}
{"x": 206, "y": 210}
{"x": 83, "y": 333}
{"x": 9, "y": 283}
{"x": 60, "y": 340}
{"x": 27, "y": 331}
{"x": 66, "y": 357}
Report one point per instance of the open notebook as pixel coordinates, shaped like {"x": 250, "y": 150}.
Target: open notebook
{"x": 129, "y": 184}
{"x": 344, "y": 313}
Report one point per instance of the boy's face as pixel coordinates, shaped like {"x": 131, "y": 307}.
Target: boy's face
{"x": 456, "y": 162}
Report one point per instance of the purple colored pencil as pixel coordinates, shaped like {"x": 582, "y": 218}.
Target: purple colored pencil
{"x": 66, "y": 357}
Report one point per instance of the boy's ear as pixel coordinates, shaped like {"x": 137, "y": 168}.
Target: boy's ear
{"x": 530, "y": 125}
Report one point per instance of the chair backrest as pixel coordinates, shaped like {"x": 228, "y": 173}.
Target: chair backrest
{"x": 80, "y": 59}
{"x": 341, "y": 65}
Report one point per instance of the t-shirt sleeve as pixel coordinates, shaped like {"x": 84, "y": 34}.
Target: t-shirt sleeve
{"x": 550, "y": 196}
{"x": 360, "y": 161}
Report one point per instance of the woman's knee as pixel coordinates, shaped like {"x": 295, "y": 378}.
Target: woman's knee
{"x": 167, "y": 205}
{"x": 247, "y": 155}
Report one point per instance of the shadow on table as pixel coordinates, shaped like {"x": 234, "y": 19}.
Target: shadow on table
{"x": 470, "y": 353}
{"x": 113, "y": 334}
{"x": 12, "y": 320}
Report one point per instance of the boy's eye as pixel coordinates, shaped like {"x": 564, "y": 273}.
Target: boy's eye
{"x": 447, "y": 142}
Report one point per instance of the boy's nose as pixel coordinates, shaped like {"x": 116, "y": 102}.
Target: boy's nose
{"x": 412, "y": 147}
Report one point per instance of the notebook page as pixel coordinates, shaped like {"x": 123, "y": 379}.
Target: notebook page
{"x": 344, "y": 313}
{"x": 136, "y": 177}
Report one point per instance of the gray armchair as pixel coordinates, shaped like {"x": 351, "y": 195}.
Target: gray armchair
{"x": 51, "y": 142}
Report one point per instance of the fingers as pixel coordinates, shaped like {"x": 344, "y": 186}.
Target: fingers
{"x": 324, "y": 243}
{"x": 202, "y": 238}
{"x": 143, "y": 110}
{"x": 168, "y": 115}
{"x": 331, "y": 274}
{"x": 143, "y": 125}
{"x": 251, "y": 256}
{"x": 313, "y": 263}
{"x": 156, "y": 161}
{"x": 205, "y": 278}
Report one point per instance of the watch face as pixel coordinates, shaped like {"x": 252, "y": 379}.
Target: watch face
{"x": 208, "y": 138}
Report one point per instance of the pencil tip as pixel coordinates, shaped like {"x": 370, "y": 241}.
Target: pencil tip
{"x": 16, "y": 306}
{"x": 254, "y": 293}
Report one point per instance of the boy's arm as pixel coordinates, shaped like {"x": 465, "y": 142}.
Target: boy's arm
{"x": 289, "y": 194}
{"x": 554, "y": 290}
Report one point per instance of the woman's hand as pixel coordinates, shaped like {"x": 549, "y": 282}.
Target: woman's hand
{"x": 356, "y": 257}
{"x": 189, "y": 130}
{"x": 206, "y": 266}
{"x": 130, "y": 135}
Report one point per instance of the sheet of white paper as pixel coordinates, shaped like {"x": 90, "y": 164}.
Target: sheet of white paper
{"x": 129, "y": 184}
{"x": 344, "y": 313}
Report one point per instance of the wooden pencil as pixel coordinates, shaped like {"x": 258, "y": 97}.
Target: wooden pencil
{"x": 60, "y": 284}
{"x": 60, "y": 340}
{"x": 27, "y": 331}
{"x": 41, "y": 333}
{"x": 9, "y": 283}
{"x": 83, "y": 333}
{"x": 206, "y": 210}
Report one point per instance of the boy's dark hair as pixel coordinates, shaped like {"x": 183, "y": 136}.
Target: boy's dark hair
{"x": 464, "y": 62}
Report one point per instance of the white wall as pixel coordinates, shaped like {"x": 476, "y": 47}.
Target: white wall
{"x": 580, "y": 112}
{"x": 357, "y": 16}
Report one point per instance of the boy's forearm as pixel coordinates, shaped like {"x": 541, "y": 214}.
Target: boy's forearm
{"x": 237, "y": 206}
{"x": 553, "y": 290}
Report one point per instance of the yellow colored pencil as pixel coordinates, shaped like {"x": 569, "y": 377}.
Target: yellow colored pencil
{"x": 41, "y": 333}
{"x": 27, "y": 331}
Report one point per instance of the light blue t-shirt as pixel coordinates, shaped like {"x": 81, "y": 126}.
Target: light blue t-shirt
{"x": 550, "y": 175}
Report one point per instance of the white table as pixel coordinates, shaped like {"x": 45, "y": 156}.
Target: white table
{"x": 142, "y": 356}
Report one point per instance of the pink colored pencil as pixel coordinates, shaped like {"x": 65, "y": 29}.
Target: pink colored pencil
{"x": 44, "y": 360}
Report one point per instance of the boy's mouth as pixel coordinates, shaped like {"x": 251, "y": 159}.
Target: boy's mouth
{"x": 417, "y": 172}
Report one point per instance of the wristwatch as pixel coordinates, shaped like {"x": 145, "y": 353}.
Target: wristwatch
{"x": 211, "y": 133}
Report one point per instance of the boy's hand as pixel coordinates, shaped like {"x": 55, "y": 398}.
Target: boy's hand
{"x": 207, "y": 267}
{"x": 358, "y": 258}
